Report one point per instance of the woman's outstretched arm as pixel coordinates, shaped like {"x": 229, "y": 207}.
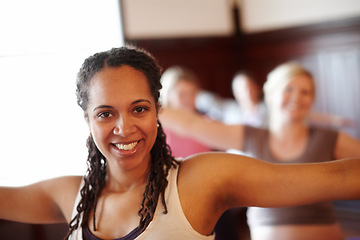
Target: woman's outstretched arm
{"x": 214, "y": 134}
{"x": 47, "y": 201}
{"x": 237, "y": 180}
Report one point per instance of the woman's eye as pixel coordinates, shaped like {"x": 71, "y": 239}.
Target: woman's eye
{"x": 140, "y": 110}
{"x": 306, "y": 92}
{"x": 104, "y": 115}
{"x": 288, "y": 89}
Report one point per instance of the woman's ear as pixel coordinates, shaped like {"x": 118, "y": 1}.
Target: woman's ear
{"x": 86, "y": 117}
{"x": 158, "y": 108}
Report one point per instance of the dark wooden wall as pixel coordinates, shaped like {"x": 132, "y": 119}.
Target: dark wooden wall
{"x": 331, "y": 50}
{"x": 214, "y": 59}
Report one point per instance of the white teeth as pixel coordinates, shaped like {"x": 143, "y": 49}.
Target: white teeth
{"x": 126, "y": 147}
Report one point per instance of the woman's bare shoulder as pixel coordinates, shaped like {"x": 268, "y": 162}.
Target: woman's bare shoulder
{"x": 69, "y": 183}
{"x": 212, "y": 169}
{"x": 65, "y": 185}
{"x": 63, "y": 191}
{"x": 213, "y": 161}
{"x": 205, "y": 181}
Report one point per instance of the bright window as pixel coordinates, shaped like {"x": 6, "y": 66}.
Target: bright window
{"x": 43, "y": 43}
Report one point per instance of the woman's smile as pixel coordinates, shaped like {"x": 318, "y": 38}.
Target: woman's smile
{"x": 126, "y": 147}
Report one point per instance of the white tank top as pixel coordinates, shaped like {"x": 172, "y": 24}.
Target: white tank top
{"x": 172, "y": 225}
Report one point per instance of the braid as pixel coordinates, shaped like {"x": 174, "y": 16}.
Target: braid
{"x": 94, "y": 182}
{"x": 161, "y": 163}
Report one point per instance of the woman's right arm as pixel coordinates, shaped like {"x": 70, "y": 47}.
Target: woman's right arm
{"x": 47, "y": 201}
{"x": 214, "y": 134}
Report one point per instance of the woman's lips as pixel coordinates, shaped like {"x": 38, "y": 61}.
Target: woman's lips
{"x": 126, "y": 147}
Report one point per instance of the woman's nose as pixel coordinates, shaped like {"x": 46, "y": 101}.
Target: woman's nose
{"x": 124, "y": 127}
{"x": 295, "y": 95}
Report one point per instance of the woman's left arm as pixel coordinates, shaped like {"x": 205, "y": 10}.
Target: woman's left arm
{"x": 211, "y": 183}
{"x": 244, "y": 181}
{"x": 346, "y": 147}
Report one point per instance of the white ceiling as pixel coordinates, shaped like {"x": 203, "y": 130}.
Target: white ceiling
{"x": 176, "y": 18}
{"x": 182, "y": 18}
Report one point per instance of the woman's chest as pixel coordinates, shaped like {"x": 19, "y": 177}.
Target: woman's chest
{"x": 115, "y": 216}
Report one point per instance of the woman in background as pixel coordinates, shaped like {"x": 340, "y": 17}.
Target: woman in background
{"x": 180, "y": 89}
{"x": 289, "y": 95}
{"x": 247, "y": 107}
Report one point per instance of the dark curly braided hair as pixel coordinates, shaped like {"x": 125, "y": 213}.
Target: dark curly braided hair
{"x": 161, "y": 157}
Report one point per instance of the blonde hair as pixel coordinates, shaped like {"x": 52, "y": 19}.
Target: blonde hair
{"x": 171, "y": 77}
{"x": 278, "y": 78}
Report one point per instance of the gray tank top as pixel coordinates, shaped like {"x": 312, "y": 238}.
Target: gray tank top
{"x": 320, "y": 147}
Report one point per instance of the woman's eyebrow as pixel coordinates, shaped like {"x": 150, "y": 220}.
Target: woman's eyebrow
{"x": 141, "y": 100}
{"x": 102, "y": 106}
{"x": 111, "y": 107}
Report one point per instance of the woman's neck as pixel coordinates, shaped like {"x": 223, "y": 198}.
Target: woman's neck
{"x": 126, "y": 180}
{"x": 288, "y": 141}
{"x": 288, "y": 130}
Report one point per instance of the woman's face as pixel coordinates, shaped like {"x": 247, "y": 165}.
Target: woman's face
{"x": 294, "y": 101}
{"x": 183, "y": 95}
{"x": 122, "y": 117}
